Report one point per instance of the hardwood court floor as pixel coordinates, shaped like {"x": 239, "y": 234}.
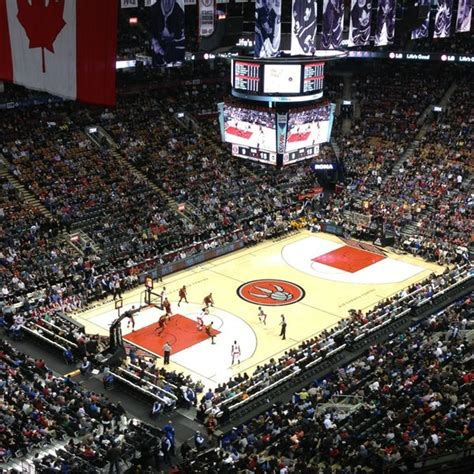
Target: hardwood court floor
{"x": 327, "y": 276}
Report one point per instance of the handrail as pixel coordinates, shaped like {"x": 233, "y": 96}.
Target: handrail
{"x": 150, "y": 374}
{"x": 56, "y": 335}
{"x": 172, "y": 395}
{"x": 37, "y": 334}
{"x": 136, "y": 387}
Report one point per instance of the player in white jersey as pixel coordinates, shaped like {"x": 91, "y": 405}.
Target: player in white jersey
{"x": 163, "y": 296}
{"x": 200, "y": 318}
{"x": 235, "y": 352}
{"x": 262, "y": 316}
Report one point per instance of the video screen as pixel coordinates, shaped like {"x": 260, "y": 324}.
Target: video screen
{"x": 249, "y": 127}
{"x": 282, "y": 78}
{"x": 308, "y": 127}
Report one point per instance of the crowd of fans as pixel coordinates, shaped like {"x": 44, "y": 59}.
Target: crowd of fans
{"x": 167, "y": 389}
{"x": 60, "y": 427}
{"x": 86, "y": 188}
{"x": 349, "y": 330}
{"x": 406, "y": 399}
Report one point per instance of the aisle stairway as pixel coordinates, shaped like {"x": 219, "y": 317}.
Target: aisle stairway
{"x": 29, "y": 198}
{"x": 101, "y": 138}
{"x": 347, "y": 95}
{"x": 424, "y": 123}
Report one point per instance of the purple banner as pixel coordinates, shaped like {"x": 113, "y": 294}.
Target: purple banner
{"x": 267, "y": 28}
{"x": 422, "y": 30}
{"x": 303, "y": 26}
{"x": 359, "y": 29}
{"x": 385, "y": 30}
{"x": 167, "y": 28}
{"x": 333, "y": 17}
{"x": 463, "y": 21}
{"x": 442, "y": 24}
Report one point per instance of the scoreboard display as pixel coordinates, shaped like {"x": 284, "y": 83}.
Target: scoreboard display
{"x": 254, "y": 154}
{"x": 276, "y": 81}
{"x": 300, "y": 154}
{"x": 247, "y": 76}
{"x": 313, "y": 77}
{"x": 275, "y": 115}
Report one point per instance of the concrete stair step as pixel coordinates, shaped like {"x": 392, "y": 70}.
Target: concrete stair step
{"x": 113, "y": 146}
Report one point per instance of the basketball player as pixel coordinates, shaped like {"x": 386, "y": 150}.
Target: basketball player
{"x": 167, "y": 307}
{"x": 262, "y": 316}
{"x": 183, "y": 295}
{"x": 235, "y": 352}
{"x": 163, "y": 296}
{"x": 131, "y": 319}
{"x": 209, "y": 300}
{"x": 162, "y": 322}
{"x": 210, "y": 331}
{"x": 200, "y": 318}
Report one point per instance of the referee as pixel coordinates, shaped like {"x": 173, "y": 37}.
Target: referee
{"x": 283, "y": 327}
{"x": 166, "y": 353}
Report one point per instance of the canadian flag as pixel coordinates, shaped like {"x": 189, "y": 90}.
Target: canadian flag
{"x": 65, "y": 47}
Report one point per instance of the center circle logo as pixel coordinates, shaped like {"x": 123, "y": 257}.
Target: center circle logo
{"x": 268, "y": 292}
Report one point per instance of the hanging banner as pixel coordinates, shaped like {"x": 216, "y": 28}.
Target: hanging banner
{"x": 167, "y": 28}
{"x": 303, "y": 26}
{"x": 333, "y": 17}
{"x": 463, "y": 20}
{"x": 385, "y": 29}
{"x": 267, "y": 28}
{"x": 206, "y": 17}
{"x": 422, "y": 30}
{"x": 359, "y": 29}
{"x": 129, "y": 3}
{"x": 442, "y": 24}
{"x": 282, "y": 125}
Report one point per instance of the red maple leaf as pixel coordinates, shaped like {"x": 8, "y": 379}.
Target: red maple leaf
{"x": 42, "y": 22}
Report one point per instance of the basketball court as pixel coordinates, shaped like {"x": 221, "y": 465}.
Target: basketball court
{"x": 313, "y": 279}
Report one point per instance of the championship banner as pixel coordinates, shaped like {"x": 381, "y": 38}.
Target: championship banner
{"x": 282, "y": 125}
{"x": 167, "y": 29}
{"x": 190, "y": 2}
{"x": 333, "y": 17}
{"x": 267, "y": 28}
{"x": 422, "y": 30}
{"x": 129, "y": 3}
{"x": 206, "y": 17}
{"x": 359, "y": 29}
{"x": 385, "y": 29}
{"x": 303, "y": 26}
{"x": 150, "y": 3}
{"x": 463, "y": 21}
{"x": 442, "y": 24}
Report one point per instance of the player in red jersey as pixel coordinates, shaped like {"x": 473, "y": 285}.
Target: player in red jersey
{"x": 183, "y": 295}
{"x": 210, "y": 331}
{"x": 162, "y": 323}
{"x": 208, "y": 300}
{"x": 167, "y": 307}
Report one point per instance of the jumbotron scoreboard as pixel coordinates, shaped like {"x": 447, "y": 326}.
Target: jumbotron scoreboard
{"x": 277, "y": 82}
{"x": 276, "y": 113}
